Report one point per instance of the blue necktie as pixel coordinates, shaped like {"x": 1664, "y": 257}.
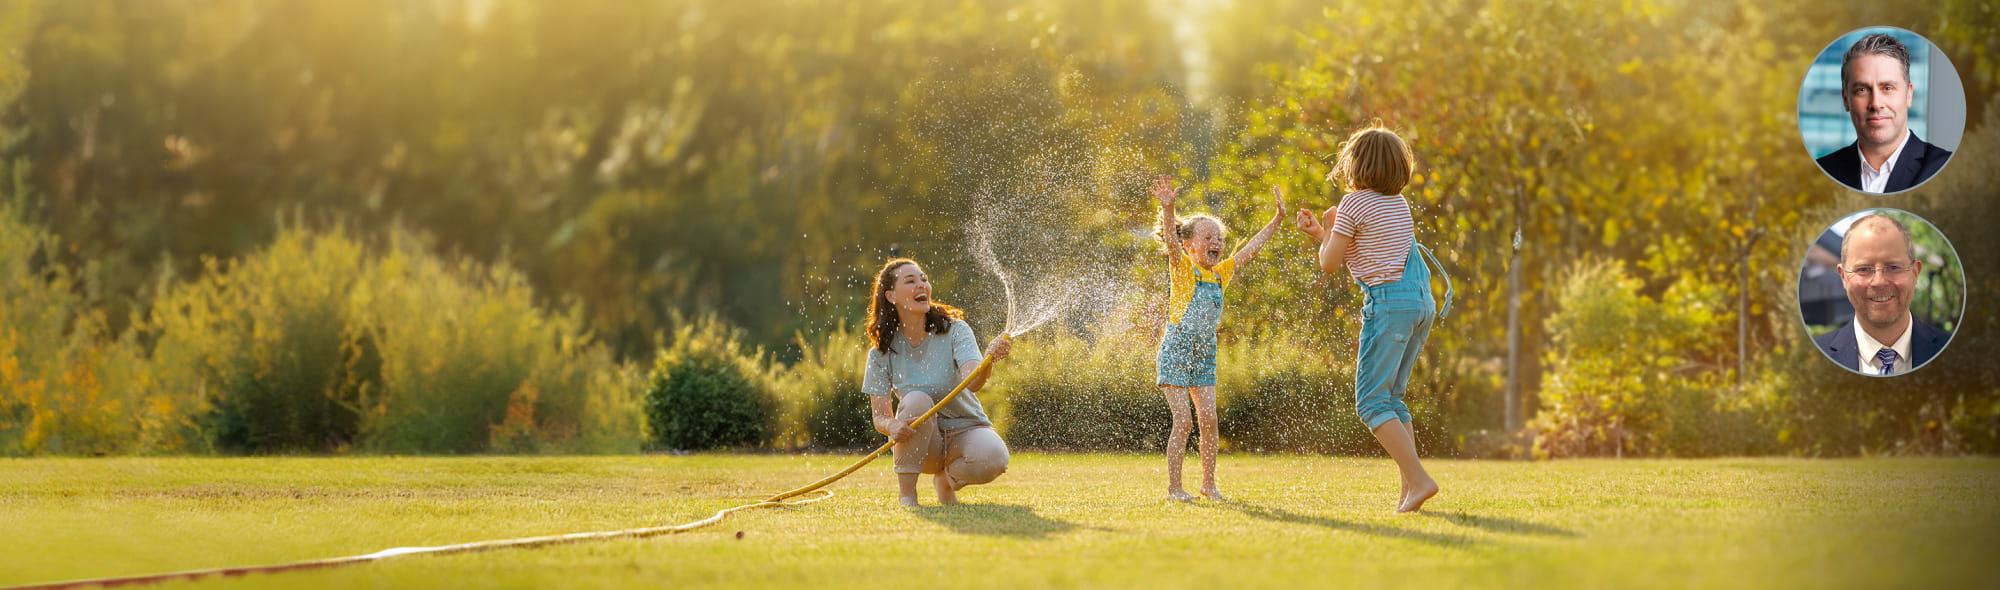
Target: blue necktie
{"x": 1888, "y": 358}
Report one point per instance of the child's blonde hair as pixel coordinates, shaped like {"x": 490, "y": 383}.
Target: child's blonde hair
{"x": 1184, "y": 229}
{"x": 1376, "y": 159}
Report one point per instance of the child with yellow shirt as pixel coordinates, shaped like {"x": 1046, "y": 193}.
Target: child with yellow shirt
{"x": 1198, "y": 274}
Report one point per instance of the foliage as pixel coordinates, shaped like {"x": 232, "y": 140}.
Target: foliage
{"x": 821, "y": 394}
{"x": 1280, "y": 397}
{"x": 586, "y": 172}
{"x": 1064, "y": 393}
{"x": 459, "y": 341}
{"x": 651, "y": 158}
{"x": 1610, "y": 394}
{"x": 66, "y": 385}
{"x": 705, "y": 392}
{"x": 397, "y": 352}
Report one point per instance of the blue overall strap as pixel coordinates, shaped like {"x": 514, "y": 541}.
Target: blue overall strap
{"x": 1443, "y": 310}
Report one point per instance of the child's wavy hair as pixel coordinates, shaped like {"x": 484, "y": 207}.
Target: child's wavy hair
{"x": 1184, "y": 229}
{"x": 882, "y": 318}
{"x": 1376, "y": 159}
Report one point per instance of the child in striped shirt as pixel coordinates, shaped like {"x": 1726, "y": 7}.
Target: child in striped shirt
{"x": 1373, "y": 234}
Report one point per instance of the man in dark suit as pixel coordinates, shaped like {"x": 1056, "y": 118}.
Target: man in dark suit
{"x": 1886, "y": 156}
{"x": 1879, "y": 270}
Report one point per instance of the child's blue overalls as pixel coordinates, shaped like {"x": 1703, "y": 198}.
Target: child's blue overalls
{"x": 1187, "y": 350}
{"x": 1396, "y": 319}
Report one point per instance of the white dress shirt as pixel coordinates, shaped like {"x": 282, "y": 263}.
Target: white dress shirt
{"x": 1877, "y": 181}
{"x": 1866, "y": 347}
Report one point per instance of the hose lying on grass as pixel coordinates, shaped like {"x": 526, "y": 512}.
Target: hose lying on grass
{"x": 522, "y": 543}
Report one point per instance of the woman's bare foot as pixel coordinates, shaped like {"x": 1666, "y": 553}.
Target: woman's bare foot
{"x": 910, "y": 501}
{"x": 1422, "y": 491}
{"x": 1178, "y": 495}
{"x": 947, "y": 492}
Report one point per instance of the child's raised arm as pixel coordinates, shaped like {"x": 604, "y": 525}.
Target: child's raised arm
{"x": 1165, "y": 193}
{"x": 1332, "y": 245}
{"x": 1256, "y": 243}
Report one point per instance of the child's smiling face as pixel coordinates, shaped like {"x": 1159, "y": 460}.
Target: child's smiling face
{"x": 1205, "y": 246}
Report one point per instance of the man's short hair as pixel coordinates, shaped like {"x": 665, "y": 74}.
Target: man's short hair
{"x": 1871, "y": 220}
{"x": 1875, "y": 44}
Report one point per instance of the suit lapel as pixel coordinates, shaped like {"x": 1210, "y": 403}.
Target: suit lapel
{"x": 1843, "y": 347}
{"x": 1845, "y": 165}
{"x": 1926, "y": 341}
{"x": 1908, "y": 165}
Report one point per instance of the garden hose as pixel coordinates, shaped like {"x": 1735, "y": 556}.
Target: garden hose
{"x": 984, "y": 365}
{"x": 527, "y": 542}
{"x": 522, "y": 543}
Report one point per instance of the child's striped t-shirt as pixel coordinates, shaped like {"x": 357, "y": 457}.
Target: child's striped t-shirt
{"x": 1382, "y": 230}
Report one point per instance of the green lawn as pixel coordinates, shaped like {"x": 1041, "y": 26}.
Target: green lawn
{"x": 1054, "y": 521}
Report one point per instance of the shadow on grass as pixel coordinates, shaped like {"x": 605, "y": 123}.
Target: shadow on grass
{"x": 1500, "y": 525}
{"x": 1289, "y": 517}
{"x": 1004, "y": 520}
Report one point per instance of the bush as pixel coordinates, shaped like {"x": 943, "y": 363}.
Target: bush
{"x": 1064, "y": 394}
{"x": 66, "y": 387}
{"x": 825, "y": 408}
{"x": 1272, "y": 396}
{"x": 1284, "y": 398}
{"x": 1612, "y": 394}
{"x": 705, "y": 393}
{"x": 314, "y": 345}
{"x": 274, "y": 342}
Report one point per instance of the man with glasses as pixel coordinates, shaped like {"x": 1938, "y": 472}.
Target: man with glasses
{"x": 1886, "y": 157}
{"x": 1878, "y": 267}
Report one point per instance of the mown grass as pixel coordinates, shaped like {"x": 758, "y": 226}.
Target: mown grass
{"x": 1053, "y": 521}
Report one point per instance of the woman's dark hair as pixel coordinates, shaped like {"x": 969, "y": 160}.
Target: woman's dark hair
{"x": 882, "y": 319}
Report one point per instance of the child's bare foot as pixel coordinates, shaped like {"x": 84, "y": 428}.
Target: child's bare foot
{"x": 946, "y": 490}
{"x": 1423, "y": 490}
{"x": 1178, "y": 495}
{"x": 1213, "y": 494}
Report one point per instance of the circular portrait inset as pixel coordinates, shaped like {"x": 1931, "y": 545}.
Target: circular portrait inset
{"x": 1881, "y": 291}
{"x": 1881, "y": 110}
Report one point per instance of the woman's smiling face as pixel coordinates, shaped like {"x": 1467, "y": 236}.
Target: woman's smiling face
{"x": 911, "y": 290}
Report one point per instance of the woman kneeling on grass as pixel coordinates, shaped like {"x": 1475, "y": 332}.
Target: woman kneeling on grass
{"x": 918, "y": 351}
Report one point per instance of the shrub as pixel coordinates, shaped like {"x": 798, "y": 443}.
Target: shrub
{"x": 314, "y": 345}
{"x": 825, "y": 408}
{"x": 66, "y": 387}
{"x": 1611, "y": 394}
{"x": 1062, "y": 393}
{"x": 706, "y": 393}
{"x": 1285, "y": 398}
{"x": 273, "y": 341}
